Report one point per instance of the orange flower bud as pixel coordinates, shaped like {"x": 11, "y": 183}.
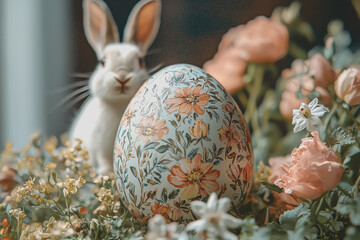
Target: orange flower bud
{"x": 347, "y": 86}
{"x": 5, "y": 222}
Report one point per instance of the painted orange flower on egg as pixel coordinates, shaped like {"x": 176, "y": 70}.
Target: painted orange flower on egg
{"x": 229, "y": 135}
{"x": 200, "y": 129}
{"x": 196, "y": 178}
{"x": 163, "y": 210}
{"x": 247, "y": 173}
{"x": 187, "y": 100}
{"x": 151, "y": 127}
{"x": 127, "y": 117}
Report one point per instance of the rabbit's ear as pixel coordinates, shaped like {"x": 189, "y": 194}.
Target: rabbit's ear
{"x": 143, "y": 23}
{"x": 99, "y": 25}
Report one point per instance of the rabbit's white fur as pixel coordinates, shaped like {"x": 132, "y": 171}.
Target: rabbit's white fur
{"x": 100, "y": 116}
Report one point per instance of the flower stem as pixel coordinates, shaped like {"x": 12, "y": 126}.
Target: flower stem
{"x": 356, "y": 185}
{"x": 58, "y": 206}
{"x": 68, "y": 214}
{"x": 251, "y": 112}
{"x": 352, "y": 116}
{"x": 329, "y": 117}
{"x": 319, "y": 206}
{"x": 344, "y": 191}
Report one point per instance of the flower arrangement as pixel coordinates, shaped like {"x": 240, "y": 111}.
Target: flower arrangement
{"x": 305, "y": 126}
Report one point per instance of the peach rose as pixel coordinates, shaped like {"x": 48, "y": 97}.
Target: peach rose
{"x": 282, "y": 201}
{"x": 228, "y": 69}
{"x": 321, "y": 70}
{"x": 314, "y": 169}
{"x": 347, "y": 86}
{"x": 227, "y": 66}
{"x": 262, "y": 40}
{"x": 275, "y": 164}
{"x": 289, "y": 99}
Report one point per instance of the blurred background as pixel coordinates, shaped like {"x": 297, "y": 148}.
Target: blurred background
{"x": 43, "y": 49}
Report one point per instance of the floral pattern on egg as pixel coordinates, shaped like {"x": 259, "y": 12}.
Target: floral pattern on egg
{"x": 181, "y": 138}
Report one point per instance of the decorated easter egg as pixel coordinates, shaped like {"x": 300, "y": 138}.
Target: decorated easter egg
{"x": 181, "y": 138}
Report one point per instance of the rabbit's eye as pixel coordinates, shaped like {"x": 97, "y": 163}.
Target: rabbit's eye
{"x": 141, "y": 62}
{"x": 102, "y": 61}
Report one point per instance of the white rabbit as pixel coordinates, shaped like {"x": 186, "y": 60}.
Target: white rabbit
{"x": 117, "y": 77}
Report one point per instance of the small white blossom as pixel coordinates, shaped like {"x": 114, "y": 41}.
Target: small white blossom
{"x": 214, "y": 220}
{"x": 307, "y": 116}
{"x": 159, "y": 230}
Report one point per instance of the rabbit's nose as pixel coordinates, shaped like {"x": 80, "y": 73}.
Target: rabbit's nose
{"x": 122, "y": 80}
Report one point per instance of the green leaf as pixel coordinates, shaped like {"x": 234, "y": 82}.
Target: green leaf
{"x": 324, "y": 217}
{"x": 352, "y": 233}
{"x": 352, "y": 161}
{"x": 296, "y": 235}
{"x": 162, "y": 148}
{"x": 272, "y": 186}
{"x": 341, "y": 136}
{"x": 351, "y": 207}
{"x": 164, "y": 196}
{"x": 261, "y": 234}
{"x": 178, "y": 117}
{"x": 151, "y": 145}
{"x": 173, "y": 122}
{"x": 289, "y": 218}
{"x": 165, "y": 161}
{"x": 151, "y": 182}
{"x": 174, "y": 194}
{"x": 134, "y": 171}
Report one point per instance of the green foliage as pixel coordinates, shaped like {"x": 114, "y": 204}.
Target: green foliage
{"x": 350, "y": 207}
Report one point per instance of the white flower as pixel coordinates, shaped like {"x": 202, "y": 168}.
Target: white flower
{"x": 214, "y": 218}
{"x": 159, "y": 230}
{"x": 307, "y": 116}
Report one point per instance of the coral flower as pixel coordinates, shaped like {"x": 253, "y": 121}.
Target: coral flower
{"x": 118, "y": 150}
{"x": 321, "y": 70}
{"x": 127, "y": 117}
{"x": 238, "y": 174}
{"x": 229, "y": 135}
{"x": 7, "y": 178}
{"x": 314, "y": 170}
{"x": 247, "y": 173}
{"x": 228, "y": 69}
{"x": 262, "y": 40}
{"x": 347, "y": 86}
{"x": 187, "y": 100}
{"x": 197, "y": 177}
{"x": 282, "y": 201}
{"x": 200, "y": 129}
{"x": 162, "y": 210}
{"x": 150, "y": 127}
{"x": 299, "y": 80}
{"x": 227, "y": 107}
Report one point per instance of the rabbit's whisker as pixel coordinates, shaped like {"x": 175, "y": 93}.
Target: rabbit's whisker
{"x": 153, "y": 51}
{"x": 154, "y": 69}
{"x": 71, "y": 95}
{"x": 71, "y": 86}
{"x": 77, "y": 99}
{"x": 81, "y": 75}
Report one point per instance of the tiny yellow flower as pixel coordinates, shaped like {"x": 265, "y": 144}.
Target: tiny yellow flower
{"x": 106, "y": 197}
{"x": 70, "y": 185}
{"x": 50, "y": 166}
